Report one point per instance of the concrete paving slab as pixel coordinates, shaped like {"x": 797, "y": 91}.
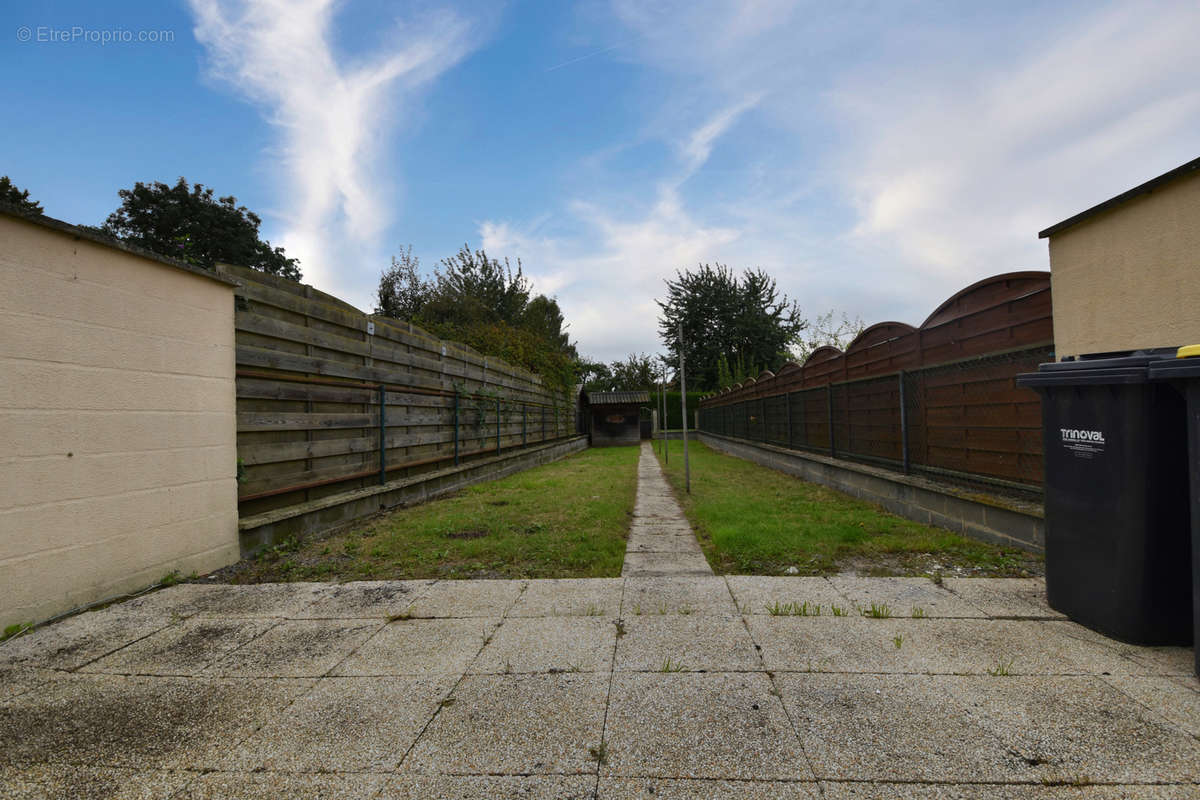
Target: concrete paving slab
{"x": 138, "y": 722}
{"x": 420, "y": 647}
{"x": 364, "y": 599}
{"x": 345, "y": 725}
{"x": 277, "y": 785}
{"x": 754, "y": 594}
{"x": 927, "y": 646}
{"x": 493, "y": 787}
{"x": 1005, "y": 597}
{"x": 993, "y": 791}
{"x": 902, "y": 595}
{"x": 677, "y": 595}
{"x": 551, "y": 644}
{"x": 570, "y": 597}
{"x": 692, "y": 725}
{"x": 645, "y": 542}
{"x": 1179, "y": 661}
{"x": 15, "y": 681}
{"x": 692, "y": 644}
{"x": 75, "y": 641}
{"x": 667, "y": 789}
{"x": 467, "y": 599}
{"x": 1170, "y": 698}
{"x": 1069, "y": 728}
{"x": 641, "y": 565}
{"x": 515, "y": 725}
{"x": 57, "y": 781}
{"x": 186, "y": 648}
{"x": 296, "y": 649}
{"x": 271, "y": 600}
{"x": 894, "y": 727}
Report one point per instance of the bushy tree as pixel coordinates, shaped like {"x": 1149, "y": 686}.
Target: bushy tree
{"x": 486, "y": 304}
{"x": 191, "y": 224}
{"x": 637, "y": 371}
{"x": 741, "y": 318}
{"x": 18, "y": 198}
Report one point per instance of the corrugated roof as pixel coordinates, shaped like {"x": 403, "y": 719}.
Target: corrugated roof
{"x": 617, "y": 398}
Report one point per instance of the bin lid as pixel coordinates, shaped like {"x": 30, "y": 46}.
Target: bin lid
{"x": 1186, "y": 364}
{"x": 1101, "y": 369}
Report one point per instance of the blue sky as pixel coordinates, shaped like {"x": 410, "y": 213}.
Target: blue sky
{"x": 874, "y": 157}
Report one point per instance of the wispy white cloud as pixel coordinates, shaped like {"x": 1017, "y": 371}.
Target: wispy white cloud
{"x": 333, "y": 116}
{"x": 906, "y": 151}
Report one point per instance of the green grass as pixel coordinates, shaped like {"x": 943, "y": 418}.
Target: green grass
{"x": 755, "y": 520}
{"x": 568, "y": 519}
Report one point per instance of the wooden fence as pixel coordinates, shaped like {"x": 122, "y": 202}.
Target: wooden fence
{"x": 330, "y": 399}
{"x": 941, "y": 398}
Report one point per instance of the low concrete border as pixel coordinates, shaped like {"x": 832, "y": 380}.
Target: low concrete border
{"x": 271, "y": 527}
{"x": 1004, "y": 521}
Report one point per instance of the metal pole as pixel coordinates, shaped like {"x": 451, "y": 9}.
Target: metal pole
{"x": 382, "y": 435}
{"x": 543, "y": 423}
{"x": 762, "y": 410}
{"x": 903, "y": 425}
{"x": 666, "y": 440}
{"x": 497, "y": 426}
{"x": 523, "y": 423}
{"x": 687, "y": 466}
{"x": 456, "y": 427}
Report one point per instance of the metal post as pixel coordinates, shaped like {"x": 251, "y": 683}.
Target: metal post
{"x": 523, "y": 423}
{"x": 762, "y": 411}
{"x": 543, "y": 423}
{"x": 787, "y": 403}
{"x": 456, "y": 427}
{"x": 497, "y": 426}
{"x": 666, "y": 439}
{"x": 829, "y": 395}
{"x": 382, "y": 435}
{"x": 903, "y": 425}
{"x": 687, "y": 466}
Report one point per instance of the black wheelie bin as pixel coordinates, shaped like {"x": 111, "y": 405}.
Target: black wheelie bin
{"x": 1118, "y": 551}
{"x": 1183, "y": 372}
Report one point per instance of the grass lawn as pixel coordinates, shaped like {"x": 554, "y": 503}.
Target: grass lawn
{"x": 755, "y": 520}
{"x": 568, "y": 519}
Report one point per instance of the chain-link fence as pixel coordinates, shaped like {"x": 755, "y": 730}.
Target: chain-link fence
{"x": 966, "y": 420}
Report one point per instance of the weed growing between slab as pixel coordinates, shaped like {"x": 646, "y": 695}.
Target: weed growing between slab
{"x": 569, "y": 519}
{"x": 757, "y": 521}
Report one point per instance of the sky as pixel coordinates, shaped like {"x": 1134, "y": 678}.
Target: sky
{"x": 874, "y": 157}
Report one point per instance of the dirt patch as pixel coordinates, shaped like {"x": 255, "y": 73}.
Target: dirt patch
{"x": 474, "y": 534}
{"x": 1012, "y": 565}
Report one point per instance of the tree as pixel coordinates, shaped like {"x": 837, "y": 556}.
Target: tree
{"x": 402, "y": 293}
{"x": 827, "y": 331}
{"x": 18, "y": 198}
{"x": 635, "y": 372}
{"x": 742, "y": 319}
{"x": 192, "y": 225}
{"x": 594, "y": 375}
{"x": 486, "y": 304}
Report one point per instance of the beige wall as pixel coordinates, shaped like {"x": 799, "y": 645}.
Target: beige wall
{"x": 118, "y": 452}
{"x": 1130, "y": 277}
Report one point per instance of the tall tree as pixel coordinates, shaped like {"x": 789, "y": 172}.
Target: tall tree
{"x": 18, "y": 198}
{"x": 741, "y": 319}
{"x": 402, "y": 292}
{"x": 827, "y": 330}
{"x": 191, "y": 224}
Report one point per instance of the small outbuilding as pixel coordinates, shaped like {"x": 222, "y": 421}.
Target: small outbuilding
{"x": 613, "y": 417}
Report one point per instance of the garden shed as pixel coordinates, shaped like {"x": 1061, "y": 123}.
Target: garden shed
{"x": 613, "y": 417}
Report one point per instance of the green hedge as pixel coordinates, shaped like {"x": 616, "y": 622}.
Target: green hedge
{"x": 673, "y": 409}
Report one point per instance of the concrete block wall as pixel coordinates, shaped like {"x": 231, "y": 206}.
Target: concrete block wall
{"x": 118, "y": 451}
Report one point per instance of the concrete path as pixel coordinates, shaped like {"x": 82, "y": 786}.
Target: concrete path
{"x": 638, "y": 687}
{"x": 661, "y": 541}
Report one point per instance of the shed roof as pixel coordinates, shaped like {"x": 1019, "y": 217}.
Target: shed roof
{"x": 1145, "y": 188}
{"x": 617, "y": 398}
